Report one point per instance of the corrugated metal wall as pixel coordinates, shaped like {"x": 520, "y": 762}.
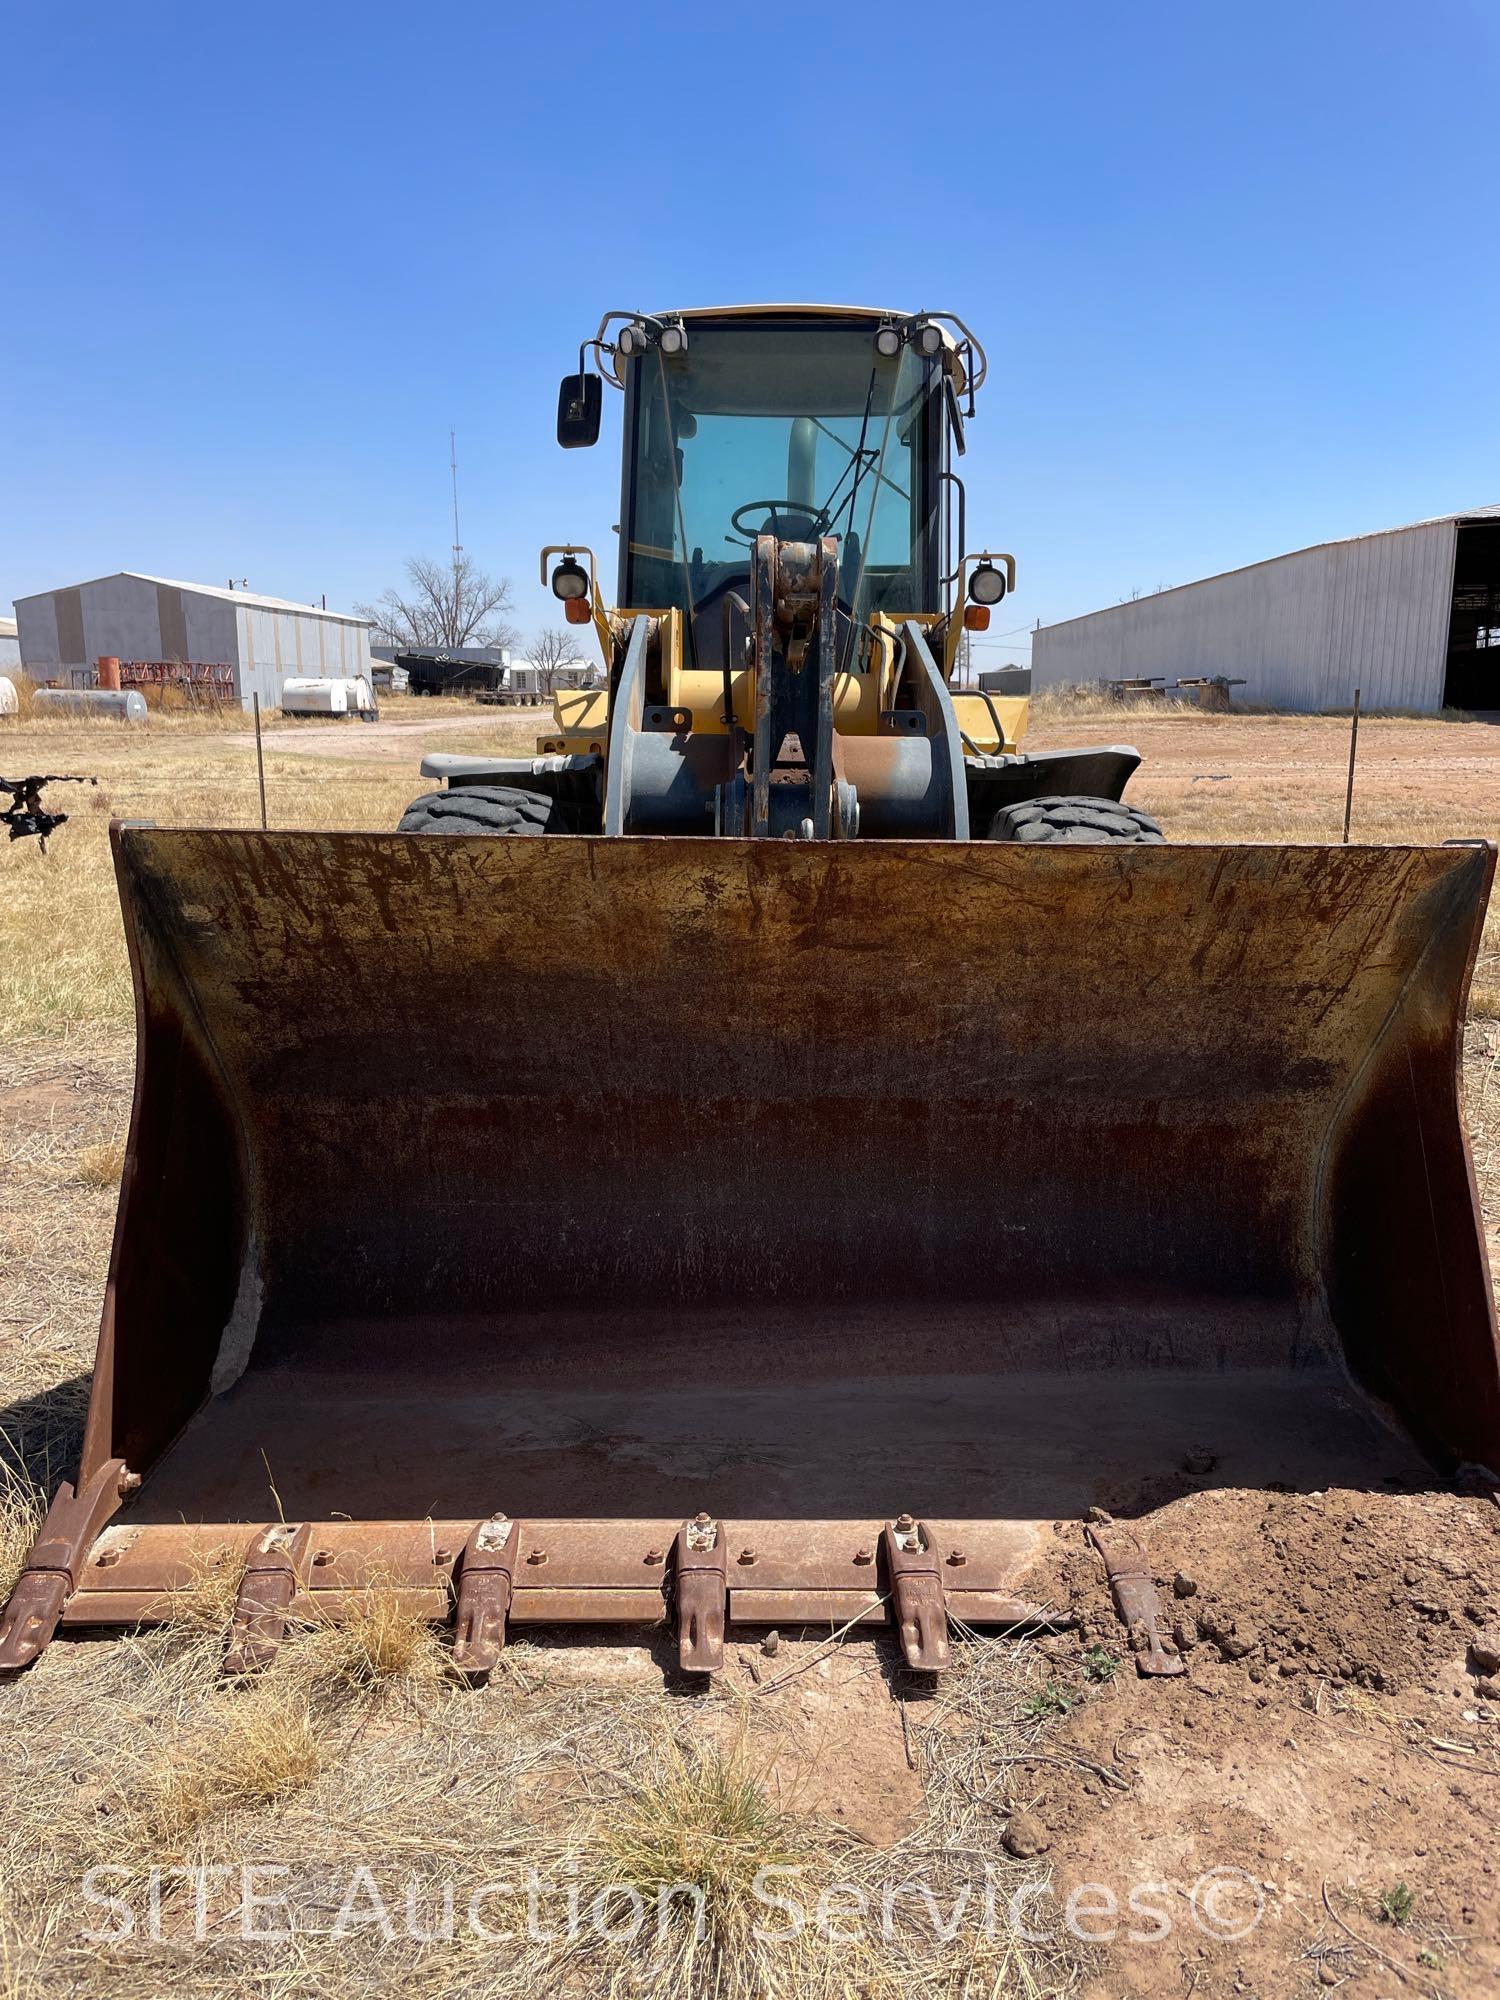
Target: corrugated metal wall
{"x": 63, "y": 633}
{"x": 208, "y": 626}
{"x": 277, "y": 645}
{"x": 1302, "y": 631}
{"x": 36, "y": 630}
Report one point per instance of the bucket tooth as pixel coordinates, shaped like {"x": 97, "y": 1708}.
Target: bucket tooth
{"x": 702, "y": 1595}
{"x": 921, "y": 1604}
{"x": 271, "y": 1580}
{"x": 485, "y": 1574}
{"x": 1136, "y": 1601}
{"x": 35, "y": 1606}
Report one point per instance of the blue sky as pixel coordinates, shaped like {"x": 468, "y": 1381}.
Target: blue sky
{"x": 1236, "y": 269}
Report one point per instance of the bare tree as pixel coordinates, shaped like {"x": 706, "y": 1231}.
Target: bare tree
{"x": 549, "y": 652}
{"x": 446, "y": 605}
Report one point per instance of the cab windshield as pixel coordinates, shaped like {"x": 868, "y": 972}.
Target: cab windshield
{"x": 796, "y": 431}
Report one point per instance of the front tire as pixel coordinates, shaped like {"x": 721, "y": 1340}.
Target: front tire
{"x": 503, "y": 810}
{"x": 1076, "y": 821}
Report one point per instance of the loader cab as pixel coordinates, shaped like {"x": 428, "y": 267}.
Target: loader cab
{"x": 791, "y": 424}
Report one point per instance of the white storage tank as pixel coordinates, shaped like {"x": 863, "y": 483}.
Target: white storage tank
{"x": 10, "y": 701}
{"x": 328, "y": 694}
{"x": 110, "y": 704}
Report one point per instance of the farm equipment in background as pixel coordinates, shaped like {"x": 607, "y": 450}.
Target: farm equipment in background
{"x": 25, "y": 817}
{"x": 852, "y": 1145}
{"x": 329, "y": 695}
{"x": 437, "y": 672}
{"x": 196, "y": 683}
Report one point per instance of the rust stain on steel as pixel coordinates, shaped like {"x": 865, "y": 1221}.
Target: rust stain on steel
{"x": 914, "y": 1573}
{"x": 485, "y": 1581}
{"x": 57, "y": 1562}
{"x": 874, "y": 1112}
{"x": 700, "y": 1591}
{"x": 270, "y": 1582}
{"x": 1134, "y": 1589}
{"x": 798, "y": 1557}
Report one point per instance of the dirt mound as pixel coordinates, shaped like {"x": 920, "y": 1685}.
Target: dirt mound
{"x": 1328, "y": 1748}
{"x": 1379, "y": 1590}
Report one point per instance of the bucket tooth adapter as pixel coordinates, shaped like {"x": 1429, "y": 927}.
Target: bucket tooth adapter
{"x": 829, "y": 1109}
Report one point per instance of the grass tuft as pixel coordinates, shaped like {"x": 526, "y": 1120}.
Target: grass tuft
{"x": 699, "y": 1816}
{"x": 255, "y": 1748}
{"x": 21, "y": 1510}
{"x": 378, "y": 1644}
{"x": 686, "y": 1846}
{"x": 201, "y": 1610}
{"x": 100, "y": 1166}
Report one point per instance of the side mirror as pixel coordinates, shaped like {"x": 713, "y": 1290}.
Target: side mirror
{"x": 580, "y": 404}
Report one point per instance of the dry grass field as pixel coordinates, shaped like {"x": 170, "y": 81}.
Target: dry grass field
{"x": 586, "y": 1774}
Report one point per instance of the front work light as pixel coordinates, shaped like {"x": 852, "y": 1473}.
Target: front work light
{"x": 888, "y": 342}
{"x": 632, "y": 339}
{"x": 929, "y": 339}
{"x": 987, "y": 584}
{"x": 570, "y": 581}
{"x": 673, "y": 340}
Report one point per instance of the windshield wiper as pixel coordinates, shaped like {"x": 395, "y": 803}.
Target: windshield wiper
{"x": 863, "y": 455}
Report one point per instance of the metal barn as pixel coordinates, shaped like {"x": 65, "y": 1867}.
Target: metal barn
{"x": 233, "y": 641}
{"x": 1411, "y": 617}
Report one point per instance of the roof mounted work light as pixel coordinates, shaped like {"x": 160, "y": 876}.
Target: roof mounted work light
{"x": 928, "y": 338}
{"x": 632, "y": 339}
{"x": 888, "y": 341}
{"x": 673, "y": 339}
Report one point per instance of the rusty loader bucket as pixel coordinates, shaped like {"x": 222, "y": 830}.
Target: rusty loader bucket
{"x": 587, "y": 1230}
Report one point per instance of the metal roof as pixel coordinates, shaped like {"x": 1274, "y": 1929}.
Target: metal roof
{"x": 813, "y": 312}
{"x": 861, "y": 313}
{"x": 249, "y": 597}
{"x": 1464, "y": 515}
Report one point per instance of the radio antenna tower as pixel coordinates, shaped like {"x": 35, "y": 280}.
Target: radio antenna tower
{"x": 458, "y": 547}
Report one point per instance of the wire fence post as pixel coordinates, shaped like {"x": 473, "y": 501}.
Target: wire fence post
{"x": 260, "y": 768}
{"x": 1353, "y": 746}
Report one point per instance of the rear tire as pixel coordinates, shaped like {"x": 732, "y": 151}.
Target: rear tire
{"x": 487, "y": 809}
{"x": 1076, "y": 821}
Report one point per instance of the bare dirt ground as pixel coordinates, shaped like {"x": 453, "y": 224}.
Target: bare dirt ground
{"x": 1311, "y": 1806}
{"x": 397, "y": 732}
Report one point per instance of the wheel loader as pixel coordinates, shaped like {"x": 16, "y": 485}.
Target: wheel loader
{"x": 833, "y": 1145}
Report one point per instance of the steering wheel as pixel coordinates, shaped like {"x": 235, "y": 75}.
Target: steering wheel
{"x": 797, "y": 507}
